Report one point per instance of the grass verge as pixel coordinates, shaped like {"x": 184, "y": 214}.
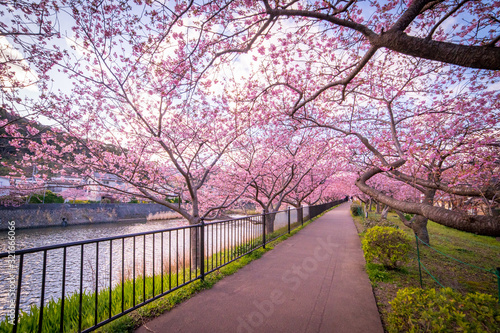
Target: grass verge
{"x": 470, "y": 252}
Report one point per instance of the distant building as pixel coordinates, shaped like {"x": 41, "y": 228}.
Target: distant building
{"x": 62, "y": 183}
{"x": 96, "y": 186}
{"x": 71, "y": 187}
{"x": 4, "y": 186}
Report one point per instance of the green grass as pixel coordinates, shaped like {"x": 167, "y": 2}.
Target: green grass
{"x": 51, "y": 313}
{"x": 473, "y": 250}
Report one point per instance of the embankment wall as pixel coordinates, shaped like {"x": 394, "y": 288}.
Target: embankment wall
{"x": 46, "y": 215}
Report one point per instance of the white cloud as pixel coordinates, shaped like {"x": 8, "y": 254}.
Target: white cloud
{"x": 17, "y": 66}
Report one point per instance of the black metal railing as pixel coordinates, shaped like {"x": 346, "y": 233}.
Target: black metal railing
{"x": 81, "y": 286}
{"x": 318, "y": 209}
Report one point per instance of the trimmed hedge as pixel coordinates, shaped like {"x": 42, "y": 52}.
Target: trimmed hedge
{"x": 444, "y": 310}
{"x": 389, "y": 246}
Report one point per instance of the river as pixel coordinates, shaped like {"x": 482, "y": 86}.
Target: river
{"x": 118, "y": 259}
{"x": 32, "y": 266}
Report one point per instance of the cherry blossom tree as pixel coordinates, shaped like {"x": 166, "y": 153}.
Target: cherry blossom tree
{"x": 273, "y": 164}
{"x": 324, "y": 183}
{"x": 413, "y": 120}
{"x": 448, "y": 145}
{"x": 331, "y": 56}
{"x": 137, "y": 110}
{"x": 375, "y": 73}
{"x": 25, "y": 59}
{"x": 73, "y": 193}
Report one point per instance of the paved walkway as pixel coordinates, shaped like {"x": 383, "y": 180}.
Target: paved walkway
{"x": 313, "y": 282}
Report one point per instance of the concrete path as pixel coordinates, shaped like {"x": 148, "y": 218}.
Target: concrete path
{"x": 313, "y": 282}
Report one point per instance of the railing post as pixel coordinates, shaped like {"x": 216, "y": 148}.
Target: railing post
{"x": 263, "y": 229}
{"x": 288, "y": 219}
{"x": 202, "y": 250}
{"x": 498, "y": 278}
{"x": 18, "y": 292}
{"x": 418, "y": 259}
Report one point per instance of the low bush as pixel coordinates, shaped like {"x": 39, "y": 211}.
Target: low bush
{"x": 49, "y": 197}
{"x": 377, "y": 273}
{"x": 79, "y": 201}
{"x": 408, "y": 217}
{"x": 356, "y": 210}
{"x": 389, "y": 246}
{"x": 370, "y": 223}
{"x": 444, "y": 310}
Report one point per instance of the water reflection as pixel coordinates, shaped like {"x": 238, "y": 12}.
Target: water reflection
{"x": 33, "y": 263}
{"x": 29, "y": 238}
{"x": 101, "y": 265}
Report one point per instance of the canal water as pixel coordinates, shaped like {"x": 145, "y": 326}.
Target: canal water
{"x": 112, "y": 261}
{"x": 37, "y": 237}
{"x": 33, "y": 263}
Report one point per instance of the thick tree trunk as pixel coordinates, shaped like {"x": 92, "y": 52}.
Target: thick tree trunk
{"x": 483, "y": 225}
{"x": 270, "y": 218}
{"x": 491, "y": 192}
{"x": 195, "y": 241}
{"x": 300, "y": 213}
{"x": 384, "y": 212}
{"x": 419, "y": 226}
{"x": 463, "y": 55}
{"x": 194, "y": 244}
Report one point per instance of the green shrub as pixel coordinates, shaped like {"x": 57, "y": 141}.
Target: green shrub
{"x": 50, "y": 197}
{"x": 377, "y": 273}
{"x": 356, "y": 210}
{"x": 80, "y": 201}
{"x": 369, "y": 223}
{"x": 408, "y": 217}
{"x": 445, "y": 310}
{"x": 387, "y": 245}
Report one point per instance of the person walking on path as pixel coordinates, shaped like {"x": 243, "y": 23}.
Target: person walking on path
{"x": 314, "y": 281}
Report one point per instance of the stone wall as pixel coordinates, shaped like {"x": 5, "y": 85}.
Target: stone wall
{"x": 46, "y": 215}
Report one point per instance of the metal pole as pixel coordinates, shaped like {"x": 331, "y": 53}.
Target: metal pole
{"x": 18, "y": 292}
{"x": 263, "y": 229}
{"x": 202, "y": 250}
{"x": 418, "y": 258}
{"x": 498, "y": 278}
{"x": 42, "y": 296}
{"x": 63, "y": 292}
{"x": 96, "y": 310}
